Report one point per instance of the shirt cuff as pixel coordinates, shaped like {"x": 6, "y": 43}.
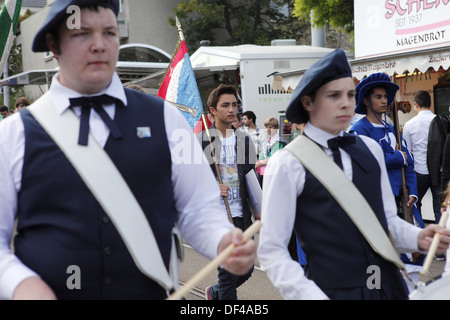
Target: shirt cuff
{"x": 11, "y": 278}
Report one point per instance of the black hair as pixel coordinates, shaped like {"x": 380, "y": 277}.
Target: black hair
{"x": 250, "y": 115}
{"x": 423, "y": 99}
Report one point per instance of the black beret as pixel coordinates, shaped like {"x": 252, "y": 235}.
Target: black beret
{"x": 331, "y": 67}
{"x": 58, "y": 11}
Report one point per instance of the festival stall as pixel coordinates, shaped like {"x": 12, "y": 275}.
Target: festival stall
{"x": 409, "y": 41}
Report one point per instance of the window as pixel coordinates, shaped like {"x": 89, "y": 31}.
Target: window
{"x": 142, "y": 54}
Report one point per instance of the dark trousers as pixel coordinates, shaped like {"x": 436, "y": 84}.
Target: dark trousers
{"x": 423, "y": 184}
{"x": 226, "y": 287}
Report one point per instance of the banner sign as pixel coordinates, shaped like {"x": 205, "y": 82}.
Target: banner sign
{"x": 402, "y": 63}
{"x": 385, "y": 27}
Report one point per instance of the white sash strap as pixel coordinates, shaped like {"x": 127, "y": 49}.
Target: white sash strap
{"x": 107, "y": 185}
{"x": 346, "y": 194}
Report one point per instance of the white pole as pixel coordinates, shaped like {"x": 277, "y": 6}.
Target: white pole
{"x": 6, "y": 88}
{"x": 318, "y": 36}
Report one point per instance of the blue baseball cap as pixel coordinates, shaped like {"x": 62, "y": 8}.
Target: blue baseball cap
{"x": 58, "y": 11}
{"x": 375, "y": 80}
{"x": 331, "y": 67}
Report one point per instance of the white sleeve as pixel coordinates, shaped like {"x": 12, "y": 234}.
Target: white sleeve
{"x": 12, "y": 270}
{"x": 284, "y": 179}
{"x": 202, "y": 220}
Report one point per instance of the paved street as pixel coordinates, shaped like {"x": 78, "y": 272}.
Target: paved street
{"x": 258, "y": 287}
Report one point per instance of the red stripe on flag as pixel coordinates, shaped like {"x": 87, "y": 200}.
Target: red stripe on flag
{"x": 181, "y": 52}
{"x": 200, "y": 127}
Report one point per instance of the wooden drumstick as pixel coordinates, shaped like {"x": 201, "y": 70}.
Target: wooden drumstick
{"x": 434, "y": 245}
{"x": 214, "y": 264}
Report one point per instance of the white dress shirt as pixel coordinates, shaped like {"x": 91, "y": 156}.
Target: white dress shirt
{"x": 201, "y": 219}
{"x": 255, "y": 135}
{"x": 415, "y": 133}
{"x": 284, "y": 180}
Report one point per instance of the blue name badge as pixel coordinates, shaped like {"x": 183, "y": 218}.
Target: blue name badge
{"x": 143, "y": 132}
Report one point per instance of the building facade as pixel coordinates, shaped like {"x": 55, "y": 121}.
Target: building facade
{"x": 141, "y": 22}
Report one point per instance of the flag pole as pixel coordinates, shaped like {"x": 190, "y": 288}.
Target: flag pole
{"x": 205, "y": 123}
{"x": 180, "y": 31}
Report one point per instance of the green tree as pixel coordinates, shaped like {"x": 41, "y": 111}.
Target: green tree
{"x": 234, "y": 22}
{"x": 15, "y": 64}
{"x": 15, "y": 67}
{"x": 338, "y": 14}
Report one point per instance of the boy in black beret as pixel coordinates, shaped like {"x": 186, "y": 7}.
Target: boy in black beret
{"x": 71, "y": 243}
{"x": 339, "y": 258}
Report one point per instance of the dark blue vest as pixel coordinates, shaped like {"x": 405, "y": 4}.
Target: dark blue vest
{"x": 62, "y": 224}
{"x": 338, "y": 255}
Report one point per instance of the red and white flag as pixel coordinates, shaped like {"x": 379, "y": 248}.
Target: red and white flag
{"x": 179, "y": 86}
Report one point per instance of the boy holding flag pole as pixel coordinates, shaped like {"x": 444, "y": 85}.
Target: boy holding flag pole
{"x": 180, "y": 88}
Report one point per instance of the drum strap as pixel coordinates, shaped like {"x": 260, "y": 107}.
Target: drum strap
{"x": 108, "y": 186}
{"x": 347, "y": 195}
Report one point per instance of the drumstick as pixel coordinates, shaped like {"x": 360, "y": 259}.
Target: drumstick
{"x": 214, "y": 264}
{"x": 434, "y": 245}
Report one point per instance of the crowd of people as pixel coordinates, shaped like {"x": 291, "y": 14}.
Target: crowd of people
{"x": 20, "y": 103}
{"x": 56, "y": 193}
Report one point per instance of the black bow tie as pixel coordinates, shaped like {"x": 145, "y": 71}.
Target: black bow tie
{"x": 95, "y": 102}
{"x": 338, "y": 142}
{"x": 348, "y": 143}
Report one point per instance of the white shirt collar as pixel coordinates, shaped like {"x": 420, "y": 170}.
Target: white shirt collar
{"x": 425, "y": 112}
{"x": 318, "y": 135}
{"x": 61, "y": 94}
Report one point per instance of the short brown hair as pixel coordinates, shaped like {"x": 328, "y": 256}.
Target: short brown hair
{"x": 214, "y": 96}
{"x": 21, "y": 102}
